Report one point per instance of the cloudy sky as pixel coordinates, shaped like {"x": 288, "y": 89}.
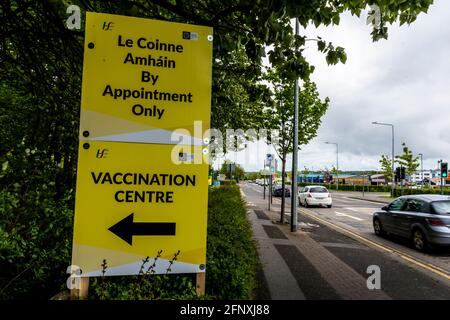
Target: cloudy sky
{"x": 404, "y": 81}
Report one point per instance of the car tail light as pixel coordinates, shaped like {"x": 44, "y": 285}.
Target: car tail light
{"x": 435, "y": 222}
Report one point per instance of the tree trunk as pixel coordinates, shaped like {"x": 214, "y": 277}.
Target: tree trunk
{"x": 283, "y": 183}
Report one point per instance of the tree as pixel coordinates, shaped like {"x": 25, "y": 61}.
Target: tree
{"x": 407, "y": 160}
{"x": 237, "y": 172}
{"x": 386, "y": 166}
{"x": 305, "y": 171}
{"x": 311, "y": 109}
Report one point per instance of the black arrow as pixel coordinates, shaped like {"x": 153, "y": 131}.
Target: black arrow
{"x": 125, "y": 229}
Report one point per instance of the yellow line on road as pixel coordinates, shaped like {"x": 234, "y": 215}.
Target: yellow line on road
{"x": 430, "y": 267}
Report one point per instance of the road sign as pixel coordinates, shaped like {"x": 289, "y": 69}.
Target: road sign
{"x": 138, "y": 194}
{"x": 129, "y": 207}
{"x": 144, "y": 78}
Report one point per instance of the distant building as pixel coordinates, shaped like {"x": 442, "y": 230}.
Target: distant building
{"x": 428, "y": 175}
{"x": 378, "y": 179}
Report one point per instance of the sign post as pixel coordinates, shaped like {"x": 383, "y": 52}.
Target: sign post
{"x": 142, "y": 178}
{"x": 269, "y": 161}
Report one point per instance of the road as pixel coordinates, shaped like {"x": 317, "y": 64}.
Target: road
{"x": 353, "y": 218}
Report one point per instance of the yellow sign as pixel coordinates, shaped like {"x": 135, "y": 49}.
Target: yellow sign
{"x": 141, "y": 197}
{"x": 144, "y": 78}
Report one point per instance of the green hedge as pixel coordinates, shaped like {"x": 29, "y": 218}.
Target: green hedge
{"x": 227, "y": 182}
{"x": 232, "y": 258}
{"x": 398, "y": 191}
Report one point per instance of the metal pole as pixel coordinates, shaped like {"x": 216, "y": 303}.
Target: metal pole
{"x": 264, "y": 180}
{"x": 393, "y": 155}
{"x": 294, "y": 193}
{"x": 337, "y": 167}
{"x": 270, "y": 193}
{"x": 421, "y": 170}
{"x": 401, "y": 180}
{"x": 363, "y": 176}
{"x": 440, "y": 174}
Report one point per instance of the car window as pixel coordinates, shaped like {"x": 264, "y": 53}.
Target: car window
{"x": 441, "y": 207}
{"x": 397, "y": 204}
{"x": 414, "y": 205}
{"x": 318, "y": 190}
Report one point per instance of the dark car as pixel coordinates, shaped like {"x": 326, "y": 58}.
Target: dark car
{"x": 277, "y": 190}
{"x": 425, "y": 219}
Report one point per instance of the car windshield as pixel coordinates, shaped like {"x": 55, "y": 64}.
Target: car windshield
{"x": 441, "y": 207}
{"x": 318, "y": 190}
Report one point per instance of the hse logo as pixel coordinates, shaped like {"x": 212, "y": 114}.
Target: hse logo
{"x": 102, "y": 153}
{"x": 107, "y": 26}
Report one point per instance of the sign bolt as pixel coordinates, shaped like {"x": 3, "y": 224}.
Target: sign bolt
{"x": 86, "y": 145}
{"x": 202, "y": 267}
{"x": 86, "y": 134}
{"x": 91, "y": 45}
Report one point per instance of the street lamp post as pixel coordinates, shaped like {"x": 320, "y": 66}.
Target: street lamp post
{"x": 294, "y": 194}
{"x": 337, "y": 163}
{"x": 393, "y": 150}
{"x": 421, "y": 170}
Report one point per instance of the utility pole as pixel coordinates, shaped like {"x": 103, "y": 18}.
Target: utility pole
{"x": 363, "y": 176}
{"x": 421, "y": 170}
{"x": 264, "y": 180}
{"x": 294, "y": 193}
{"x": 440, "y": 174}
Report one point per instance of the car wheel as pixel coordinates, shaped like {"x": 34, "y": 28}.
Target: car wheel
{"x": 378, "y": 227}
{"x": 329, "y": 206}
{"x": 306, "y": 204}
{"x": 419, "y": 240}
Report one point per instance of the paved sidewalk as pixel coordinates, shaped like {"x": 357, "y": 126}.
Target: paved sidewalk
{"x": 296, "y": 267}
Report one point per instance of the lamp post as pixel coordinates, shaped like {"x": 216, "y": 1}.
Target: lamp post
{"x": 392, "y": 126}
{"x": 337, "y": 163}
{"x": 294, "y": 194}
{"x": 421, "y": 169}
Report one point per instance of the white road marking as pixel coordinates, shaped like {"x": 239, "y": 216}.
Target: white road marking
{"x": 368, "y": 211}
{"x": 347, "y": 215}
{"x": 361, "y": 200}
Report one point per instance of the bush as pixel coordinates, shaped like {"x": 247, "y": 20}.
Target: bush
{"x": 227, "y": 182}
{"x": 398, "y": 192}
{"x": 232, "y": 258}
{"x": 35, "y": 226}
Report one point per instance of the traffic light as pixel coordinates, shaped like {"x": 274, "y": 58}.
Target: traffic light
{"x": 444, "y": 169}
{"x": 400, "y": 173}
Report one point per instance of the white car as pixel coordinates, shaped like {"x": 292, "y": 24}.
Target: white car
{"x": 314, "y": 196}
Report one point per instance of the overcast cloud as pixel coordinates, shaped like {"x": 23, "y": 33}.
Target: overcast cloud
{"x": 403, "y": 81}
